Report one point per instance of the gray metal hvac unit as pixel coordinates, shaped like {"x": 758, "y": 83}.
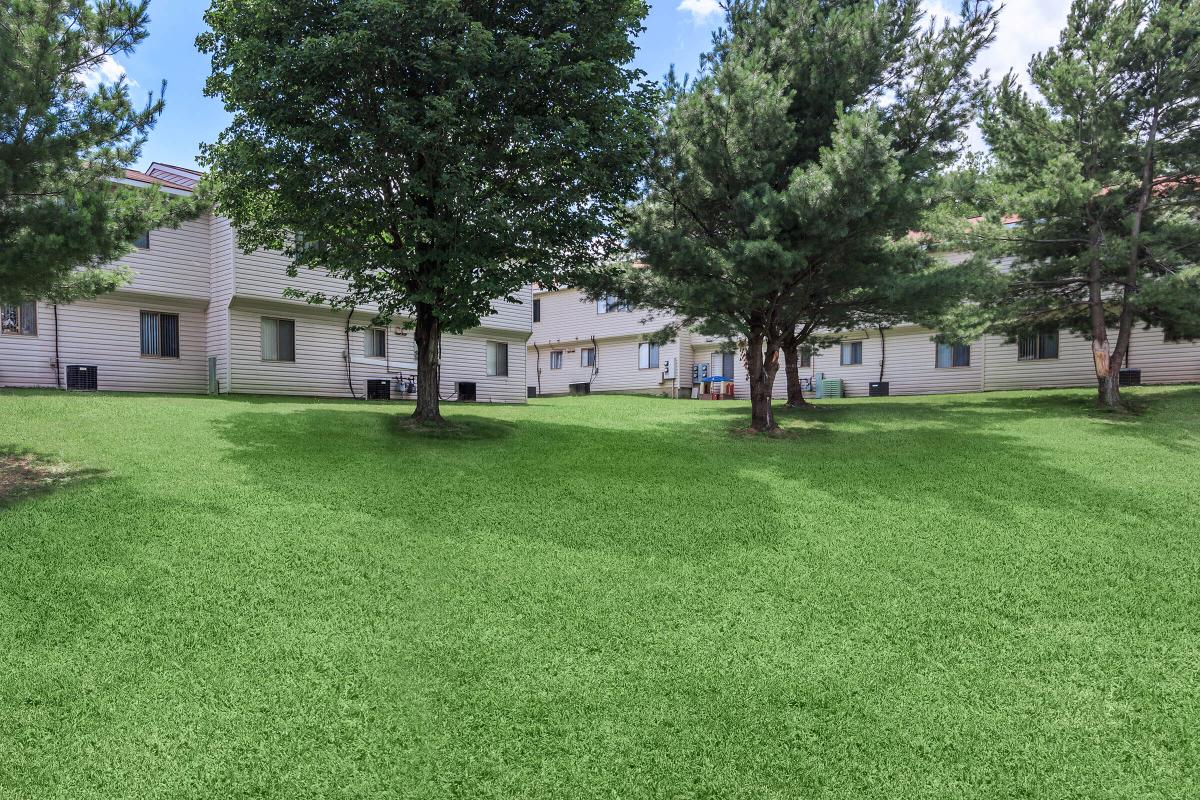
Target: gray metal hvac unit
{"x": 81, "y": 378}
{"x": 466, "y": 392}
{"x": 379, "y": 390}
{"x": 581, "y": 388}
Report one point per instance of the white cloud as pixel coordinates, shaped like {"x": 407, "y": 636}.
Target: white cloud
{"x": 107, "y": 71}
{"x": 700, "y": 10}
{"x": 1025, "y": 27}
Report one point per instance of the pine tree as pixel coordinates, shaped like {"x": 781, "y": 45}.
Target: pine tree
{"x": 436, "y": 155}
{"x": 788, "y": 174}
{"x": 62, "y": 144}
{"x": 1103, "y": 169}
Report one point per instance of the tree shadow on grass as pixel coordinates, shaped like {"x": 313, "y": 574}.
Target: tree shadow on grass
{"x": 25, "y": 475}
{"x": 662, "y": 487}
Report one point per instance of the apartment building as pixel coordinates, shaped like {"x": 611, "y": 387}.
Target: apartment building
{"x": 200, "y": 312}
{"x": 601, "y": 345}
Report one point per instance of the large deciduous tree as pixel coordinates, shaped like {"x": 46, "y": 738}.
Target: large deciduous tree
{"x": 790, "y": 171}
{"x": 436, "y": 155}
{"x": 1102, "y": 166}
{"x": 65, "y": 140}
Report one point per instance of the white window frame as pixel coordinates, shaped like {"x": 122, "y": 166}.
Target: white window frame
{"x": 587, "y": 356}
{"x": 609, "y": 305}
{"x": 492, "y": 360}
{"x": 649, "y": 355}
{"x": 953, "y": 350}
{"x": 559, "y": 359}
{"x": 262, "y": 335}
{"x": 854, "y": 347}
{"x": 158, "y": 333}
{"x": 371, "y": 337}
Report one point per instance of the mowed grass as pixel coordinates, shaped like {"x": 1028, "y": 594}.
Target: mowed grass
{"x": 987, "y": 596}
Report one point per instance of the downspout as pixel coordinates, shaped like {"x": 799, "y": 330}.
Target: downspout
{"x": 595, "y": 362}
{"x": 349, "y": 377}
{"x": 57, "y": 357}
{"x": 538, "y": 352}
{"x": 882, "y": 351}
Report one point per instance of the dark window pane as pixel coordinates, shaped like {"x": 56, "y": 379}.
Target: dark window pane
{"x": 169, "y": 333}
{"x": 537, "y": 310}
{"x": 287, "y": 340}
{"x": 143, "y": 241}
{"x": 1048, "y": 344}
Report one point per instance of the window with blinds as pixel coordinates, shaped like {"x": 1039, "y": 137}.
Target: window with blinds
{"x": 19, "y": 319}
{"x": 953, "y": 355}
{"x": 160, "y": 334}
{"x": 1038, "y": 346}
{"x": 278, "y": 339}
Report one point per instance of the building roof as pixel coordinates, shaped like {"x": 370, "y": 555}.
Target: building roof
{"x": 142, "y": 177}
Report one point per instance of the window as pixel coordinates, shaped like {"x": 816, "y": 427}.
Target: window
{"x": 376, "y": 339}
{"x": 497, "y": 359}
{"x": 1038, "y": 346}
{"x": 609, "y": 304}
{"x": 587, "y": 357}
{"x": 556, "y": 359}
{"x": 537, "y": 310}
{"x": 721, "y": 366}
{"x": 19, "y": 319}
{"x": 160, "y": 334}
{"x": 805, "y": 357}
{"x": 953, "y": 355}
{"x": 278, "y": 339}
{"x": 648, "y": 356}
{"x": 851, "y": 353}
{"x": 143, "y": 241}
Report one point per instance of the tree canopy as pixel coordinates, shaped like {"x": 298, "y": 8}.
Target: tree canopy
{"x": 1098, "y": 174}
{"x": 65, "y": 143}
{"x": 435, "y": 155}
{"x": 787, "y": 175}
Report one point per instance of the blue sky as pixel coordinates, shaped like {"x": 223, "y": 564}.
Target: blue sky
{"x": 677, "y": 32}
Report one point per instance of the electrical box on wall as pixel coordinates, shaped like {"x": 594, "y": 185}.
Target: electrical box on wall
{"x": 699, "y": 372}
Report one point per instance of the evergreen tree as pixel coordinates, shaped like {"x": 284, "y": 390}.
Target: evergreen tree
{"x": 62, "y": 215}
{"x": 436, "y": 155}
{"x": 788, "y": 175}
{"x": 1103, "y": 170}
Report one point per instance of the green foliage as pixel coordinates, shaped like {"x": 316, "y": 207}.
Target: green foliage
{"x": 788, "y": 175}
{"x": 63, "y": 144}
{"x": 1102, "y": 168}
{"x": 443, "y": 155}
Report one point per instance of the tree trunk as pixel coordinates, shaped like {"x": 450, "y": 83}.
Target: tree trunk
{"x": 762, "y": 364}
{"x": 428, "y": 335}
{"x": 791, "y": 367}
{"x": 1107, "y": 372}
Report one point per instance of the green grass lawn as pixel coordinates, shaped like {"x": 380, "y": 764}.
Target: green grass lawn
{"x": 986, "y": 596}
